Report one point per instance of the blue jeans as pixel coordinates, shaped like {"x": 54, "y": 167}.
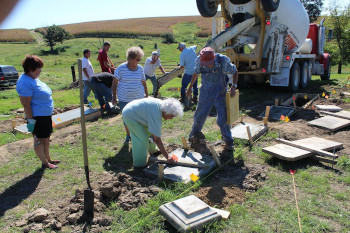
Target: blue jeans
{"x": 87, "y": 90}
{"x": 186, "y": 79}
{"x": 212, "y": 94}
{"x": 154, "y": 82}
{"x": 103, "y": 93}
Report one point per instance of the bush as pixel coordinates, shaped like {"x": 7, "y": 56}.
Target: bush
{"x": 168, "y": 38}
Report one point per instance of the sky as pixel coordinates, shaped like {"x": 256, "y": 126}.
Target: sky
{"x": 32, "y": 14}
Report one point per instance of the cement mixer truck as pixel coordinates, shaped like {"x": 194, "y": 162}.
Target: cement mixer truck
{"x": 268, "y": 40}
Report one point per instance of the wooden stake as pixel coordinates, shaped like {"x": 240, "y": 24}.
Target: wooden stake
{"x": 267, "y": 112}
{"x": 184, "y": 143}
{"x": 276, "y": 102}
{"x": 295, "y": 104}
{"x": 160, "y": 171}
{"x": 249, "y": 135}
{"x": 14, "y": 124}
{"x": 215, "y": 155}
{"x": 316, "y": 151}
{"x": 265, "y": 121}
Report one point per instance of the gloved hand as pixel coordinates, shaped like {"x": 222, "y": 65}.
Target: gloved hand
{"x": 30, "y": 125}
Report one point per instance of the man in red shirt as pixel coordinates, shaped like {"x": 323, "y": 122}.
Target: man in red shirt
{"x": 105, "y": 62}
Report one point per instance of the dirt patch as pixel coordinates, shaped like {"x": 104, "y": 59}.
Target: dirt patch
{"x": 230, "y": 184}
{"x": 6, "y": 125}
{"x": 128, "y": 192}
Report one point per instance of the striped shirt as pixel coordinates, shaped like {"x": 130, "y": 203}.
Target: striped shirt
{"x": 130, "y": 83}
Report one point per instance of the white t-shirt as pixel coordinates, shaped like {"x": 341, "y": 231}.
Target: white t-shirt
{"x": 130, "y": 83}
{"x": 87, "y": 64}
{"x": 151, "y": 68}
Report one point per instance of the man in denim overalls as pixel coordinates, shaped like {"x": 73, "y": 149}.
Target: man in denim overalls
{"x": 213, "y": 67}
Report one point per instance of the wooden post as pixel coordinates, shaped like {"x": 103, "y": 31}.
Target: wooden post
{"x": 267, "y": 114}
{"x": 265, "y": 121}
{"x": 160, "y": 171}
{"x": 73, "y": 74}
{"x": 294, "y": 104}
{"x": 276, "y": 102}
{"x": 13, "y": 124}
{"x": 215, "y": 155}
{"x": 249, "y": 135}
{"x": 184, "y": 143}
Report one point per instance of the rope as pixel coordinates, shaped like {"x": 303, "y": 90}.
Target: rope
{"x": 296, "y": 203}
{"x": 186, "y": 190}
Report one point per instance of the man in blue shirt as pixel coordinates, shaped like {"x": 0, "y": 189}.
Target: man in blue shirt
{"x": 187, "y": 60}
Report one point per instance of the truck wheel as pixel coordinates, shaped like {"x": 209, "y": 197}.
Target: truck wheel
{"x": 327, "y": 72}
{"x": 239, "y": 1}
{"x": 294, "y": 77}
{"x": 207, "y": 8}
{"x": 270, "y": 5}
{"x": 304, "y": 74}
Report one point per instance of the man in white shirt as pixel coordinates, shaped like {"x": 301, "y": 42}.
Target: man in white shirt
{"x": 151, "y": 65}
{"x": 88, "y": 71}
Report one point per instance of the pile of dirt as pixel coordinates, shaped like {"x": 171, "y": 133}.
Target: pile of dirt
{"x": 126, "y": 191}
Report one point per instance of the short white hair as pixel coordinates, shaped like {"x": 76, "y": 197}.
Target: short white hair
{"x": 172, "y": 106}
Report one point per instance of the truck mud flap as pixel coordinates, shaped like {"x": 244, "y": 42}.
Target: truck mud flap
{"x": 281, "y": 79}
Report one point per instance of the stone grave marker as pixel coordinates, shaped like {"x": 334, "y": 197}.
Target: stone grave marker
{"x": 188, "y": 213}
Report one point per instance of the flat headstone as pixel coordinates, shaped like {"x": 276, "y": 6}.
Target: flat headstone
{"x": 341, "y": 114}
{"x": 62, "y": 119}
{"x": 290, "y": 153}
{"x": 277, "y": 111}
{"x": 188, "y": 213}
{"x": 180, "y": 173}
{"x": 330, "y": 123}
{"x": 329, "y": 108}
{"x": 240, "y": 131}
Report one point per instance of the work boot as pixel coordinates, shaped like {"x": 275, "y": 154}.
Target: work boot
{"x": 229, "y": 146}
{"x": 195, "y": 99}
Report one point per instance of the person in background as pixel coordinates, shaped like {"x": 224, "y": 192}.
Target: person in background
{"x": 105, "y": 62}
{"x": 88, "y": 71}
{"x": 213, "y": 68}
{"x": 144, "y": 117}
{"x": 130, "y": 82}
{"x": 187, "y": 61}
{"x": 150, "y": 67}
{"x": 102, "y": 84}
{"x": 36, "y": 98}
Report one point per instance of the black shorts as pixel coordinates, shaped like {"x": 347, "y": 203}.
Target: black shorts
{"x": 43, "y": 126}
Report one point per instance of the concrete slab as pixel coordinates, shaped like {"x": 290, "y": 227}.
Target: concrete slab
{"x": 181, "y": 173}
{"x": 290, "y": 153}
{"x": 277, "y": 111}
{"x": 329, "y": 108}
{"x": 66, "y": 118}
{"x": 188, "y": 213}
{"x": 341, "y": 114}
{"x": 240, "y": 131}
{"x": 330, "y": 123}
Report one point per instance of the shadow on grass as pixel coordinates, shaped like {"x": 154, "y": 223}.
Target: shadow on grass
{"x": 122, "y": 161}
{"x": 299, "y": 164}
{"x": 18, "y": 192}
{"x": 55, "y": 51}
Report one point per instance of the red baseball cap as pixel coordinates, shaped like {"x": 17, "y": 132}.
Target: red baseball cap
{"x": 207, "y": 56}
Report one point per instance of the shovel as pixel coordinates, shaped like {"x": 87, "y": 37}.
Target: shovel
{"x": 88, "y": 193}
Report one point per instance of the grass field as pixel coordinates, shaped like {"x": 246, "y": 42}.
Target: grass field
{"x": 323, "y": 193}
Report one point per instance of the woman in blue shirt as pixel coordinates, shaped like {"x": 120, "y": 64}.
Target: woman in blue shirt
{"x": 37, "y": 101}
